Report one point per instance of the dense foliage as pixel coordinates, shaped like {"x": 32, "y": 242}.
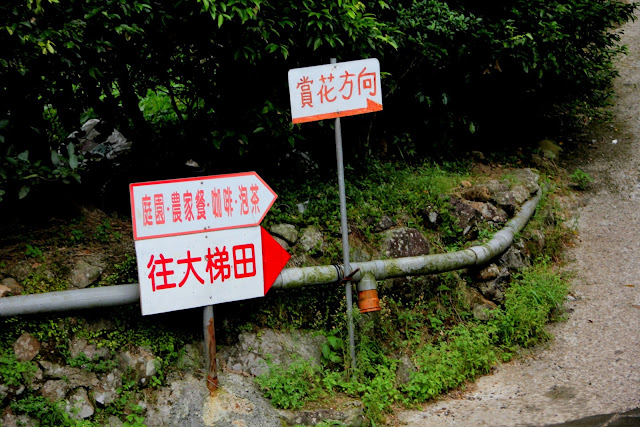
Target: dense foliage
{"x": 206, "y": 80}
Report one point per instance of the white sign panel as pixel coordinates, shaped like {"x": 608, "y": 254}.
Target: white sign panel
{"x": 200, "y": 269}
{"x": 335, "y": 90}
{"x": 196, "y": 205}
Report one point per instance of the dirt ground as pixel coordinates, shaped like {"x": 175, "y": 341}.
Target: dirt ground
{"x": 593, "y": 365}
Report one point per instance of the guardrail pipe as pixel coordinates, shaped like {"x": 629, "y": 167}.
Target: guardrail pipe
{"x": 289, "y": 277}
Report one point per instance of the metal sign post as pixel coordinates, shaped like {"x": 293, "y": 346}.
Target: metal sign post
{"x": 198, "y": 243}
{"x": 345, "y": 236}
{"x": 333, "y": 91}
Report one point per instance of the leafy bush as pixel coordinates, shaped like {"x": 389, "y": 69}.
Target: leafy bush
{"x": 531, "y": 301}
{"x": 467, "y": 71}
{"x": 291, "y": 387}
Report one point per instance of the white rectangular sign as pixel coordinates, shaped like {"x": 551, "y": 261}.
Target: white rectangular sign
{"x": 335, "y": 90}
{"x": 196, "y": 205}
{"x": 201, "y": 269}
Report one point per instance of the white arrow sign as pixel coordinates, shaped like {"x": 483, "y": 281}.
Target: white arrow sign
{"x": 196, "y": 205}
{"x": 335, "y": 90}
{"x": 201, "y": 269}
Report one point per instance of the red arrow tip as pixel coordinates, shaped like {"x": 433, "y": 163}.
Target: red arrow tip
{"x": 274, "y": 258}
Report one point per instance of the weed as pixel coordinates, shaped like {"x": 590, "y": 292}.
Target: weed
{"x": 33, "y": 251}
{"x": 293, "y": 386}
{"x": 77, "y": 236}
{"x": 13, "y": 372}
{"x": 530, "y": 302}
{"x": 47, "y": 413}
{"x": 581, "y": 180}
{"x": 126, "y": 272}
{"x": 37, "y": 283}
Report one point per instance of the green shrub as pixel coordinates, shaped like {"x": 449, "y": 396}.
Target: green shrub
{"x": 292, "y": 386}
{"x": 533, "y": 298}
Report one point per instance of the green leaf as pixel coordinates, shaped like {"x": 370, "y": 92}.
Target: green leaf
{"x": 317, "y": 43}
{"x": 220, "y": 20}
{"x": 55, "y": 159}
{"x": 3, "y": 123}
{"x": 24, "y": 190}
{"x": 334, "y": 342}
{"x": 24, "y": 156}
{"x": 73, "y": 161}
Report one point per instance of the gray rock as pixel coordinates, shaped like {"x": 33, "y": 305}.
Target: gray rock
{"x": 311, "y": 239}
{"x": 55, "y": 390}
{"x": 511, "y": 200}
{"x": 549, "y": 149}
{"x": 191, "y": 357}
{"x": 141, "y": 362}
{"x": 349, "y": 413}
{"x": 13, "y": 285}
{"x": 405, "y": 368}
{"x": 528, "y": 179}
{"x": 493, "y": 289}
{"x": 287, "y": 232}
{"x": 20, "y": 270}
{"x": 114, "y": 421}
{"x": 489, "y": 212}
{"x": 4, "y": 291}
{"x": 26, "y": 347}
{"x": 467, "y": 215}
{"x": 106, "y": 391}
{"x": 487, "y": 273}
{"x": 359, "y": 255}
{"x": 238, "y": 402}
{"x": 299, "y": 260}
{"x": 514, "y": 259}
{"x": 179, "y": 404}
{"x": 477, "y": 193}
{"x": 75, "y": 377}
{"x": 384, "y": 223}
{"x": 4, "y": 392}
{"x": 250, "y": 353}
{"x": 482, "y": 312}
{"x": 84, "y": 274}
{"x": 78, "y": 346}
{"x": 431, "y": 217}
{"x": 404, "y": 242}
{"x": 10, "y": 420}
{"x": 78, "y": 405}
{"x": 535, "y": 241}
{"x": 496, "y": 186}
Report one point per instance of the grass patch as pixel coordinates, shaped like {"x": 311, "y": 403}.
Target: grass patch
{"x": 446, "y": 346}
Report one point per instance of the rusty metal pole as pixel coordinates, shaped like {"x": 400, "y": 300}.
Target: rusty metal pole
{"x": 210, "y": 349}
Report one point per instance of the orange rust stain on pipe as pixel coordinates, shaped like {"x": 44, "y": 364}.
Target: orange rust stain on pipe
{"x": 212, "y": 377}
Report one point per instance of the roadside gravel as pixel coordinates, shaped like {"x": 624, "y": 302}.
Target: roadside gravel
{"x": 593, "y": 365}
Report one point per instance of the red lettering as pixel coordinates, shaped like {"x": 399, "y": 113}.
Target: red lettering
{"x": 244, "y": 200}
{"x": 347, "y": 81}
{"x": 226, "y": 198}
{"x": 188, "y": 206}
{"x": 324, "y": 91}
{"x": 158, "y": 201}
{"x": 218, "y": 261}
{"x": 367, "y": 81}
{"x": 175, "y": 207}
{"x": 244, "y": 261}
{"x": 147, "y": 218}
{"x": 190, "y": 261}
{"x": 305, "y": 91}
{"x": 254, "y": 199}
{"x": 164, "y": 273}
{"x": 200, "y": 204}
{"x": 216, "y": 203}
